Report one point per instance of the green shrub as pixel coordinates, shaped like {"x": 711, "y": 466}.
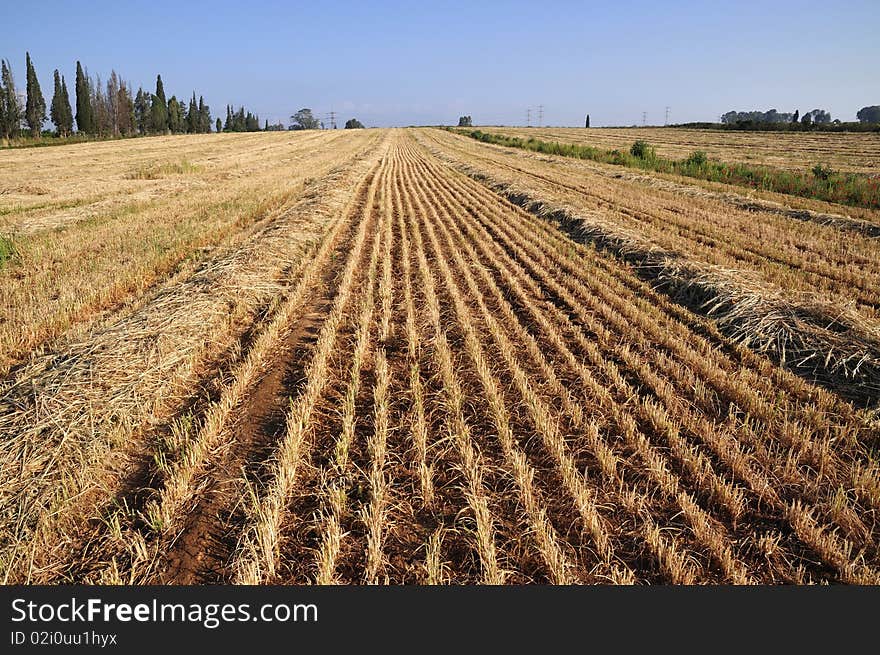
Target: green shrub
{"x": 822, "y": 171}
{"x": 697, "y": 158}
{"x": 642, "y": 150}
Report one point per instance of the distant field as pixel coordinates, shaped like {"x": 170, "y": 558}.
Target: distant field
{"x": 410, "y": 357}
{"x": 851, "y": 152}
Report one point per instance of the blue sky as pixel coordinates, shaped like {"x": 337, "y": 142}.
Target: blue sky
{"x": 396, "y": 63}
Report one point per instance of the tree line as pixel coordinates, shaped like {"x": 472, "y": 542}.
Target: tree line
{"x": 112, "y": 109}
{"x": 98, "y": 109}
{"x": 819, "y": 117}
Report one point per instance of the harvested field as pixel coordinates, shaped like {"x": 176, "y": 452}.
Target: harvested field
{"x": 397, "y": 375}
{"x": 799, "y": 283}
{"x": 851, "y": 152}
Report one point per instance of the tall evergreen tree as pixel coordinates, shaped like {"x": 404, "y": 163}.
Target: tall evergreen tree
{"x": 125, "y": 110}
{"x": 65, "y": 106}
{"x": 204, "y": 116}
{"x": 227, "y": 127}
{"x": 57, "y": 112}
{"x": 219, "y": 125}
{"x": 158, "y": 115}
{"x": 35, "y": 109}
{"x": 101, "y": 111}
{"x": 11, "y": 106}
{"x": 142, "y": 111}
{"x": 193, "y": 116}
{"x": 84, "y": 116}
{"x": 160, "y": 94}
{"x": 175, "y": 116}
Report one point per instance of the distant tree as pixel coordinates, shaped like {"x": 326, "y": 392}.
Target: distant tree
{"x": 84, "y": 118}
{"x": 465, "y": 121}
{"x": 353, "y": 124}
{"x": 820, "y": 116}
{"x": 65, "y": 105}
{"x": 227, "y": 126}
{"x": 35, "y": 108}
{"x": 56, "y": 111}
{"x": 11, "y": 108}
{"x": 587, "y": 122}
{"x": 176, "y": 123}
{"x": 219, "y": 125}
{"x": 807, "y": 120}
{"x": 158, "y": 115}
{"x": 304, "y": 120}
{"x": 204, "y": 116}
{"x": 193, "y": 116}
{"x": 870, "y": 114}
{"x": 796, "y": 117}
{"x": 142, "y": 113}
{"x": 266, "y": 126}
{"x": 112, "y": 104}
{"x": 101, "y": 111}
{"x": 125, "y": 122}
{"x": 160, "y": 94}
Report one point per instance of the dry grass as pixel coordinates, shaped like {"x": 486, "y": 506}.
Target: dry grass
{"x": 799, "y": 291}
{"x": 103, "y": 239}
{"x": 434, "y": 386}
{"x": 856, "y": 152}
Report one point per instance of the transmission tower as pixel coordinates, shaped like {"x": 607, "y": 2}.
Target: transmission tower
{"x": 644, "y": 118}
{"x": 540, "y": 115}
{"x": 332, "y": 120}
{"x": 666, "y": 122}
{"x": 529, "y": 117}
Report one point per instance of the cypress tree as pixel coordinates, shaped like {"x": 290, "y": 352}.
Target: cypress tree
{"x": 35, "y": 109}
{"x": 160, "y": 94}
{"x": 158, "y": 115}
{"x": 84, "y": 116}
{"x": 193, "y": 116}
{"x": 175, "y": 119}
{"x": 228, "y": 126}
{"x": 219, "y": 125}
{"x": 56, "y": 111}
{"x": 204, "y": 116}
{"x": 11, "y": 107}
{"x": 65, "y": 106}
{"x": 142, "y": 111}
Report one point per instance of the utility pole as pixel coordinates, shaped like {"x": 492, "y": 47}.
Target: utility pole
{"x": 666, "y": 122}
{"x": 540, "y": 115}
{"x": 529, "y": 117}
{"x": 644, "y": 118}
{"x": 332, "y": 120}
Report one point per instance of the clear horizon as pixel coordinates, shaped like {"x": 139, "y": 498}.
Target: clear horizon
{"x": 395, "y": 64}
